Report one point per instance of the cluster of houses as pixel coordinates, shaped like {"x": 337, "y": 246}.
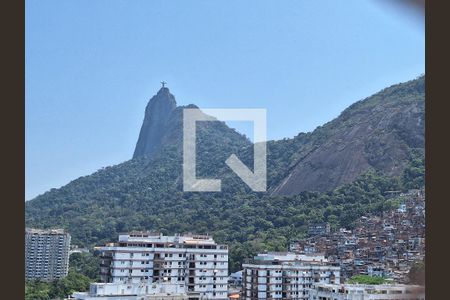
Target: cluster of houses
{"x": 153, "y": 266}
{"x": 384, "y": 245}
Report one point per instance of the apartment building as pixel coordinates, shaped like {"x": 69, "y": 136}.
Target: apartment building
{"x": 46, "y": 254}
{"x": 367, "y": 292}
{"x": 194, "y": 262}
{"x": 286, "y": 275}
{"x": 319, "y": 228}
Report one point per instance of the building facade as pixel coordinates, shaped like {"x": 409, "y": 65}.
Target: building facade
{"x": 286, "y": 276}
{"x": 132, "y": 291}
{"x": 46, "y": 254}
{"x": 194, "y": 262}
{"x": 367, "y": 292}
{"x": 319, "y": 229}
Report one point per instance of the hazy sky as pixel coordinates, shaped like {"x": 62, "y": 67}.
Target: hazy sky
{"x": 91, "y": 67}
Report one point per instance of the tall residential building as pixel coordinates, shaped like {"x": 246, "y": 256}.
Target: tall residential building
{"x": 46, "y": 254}
{"x": 195, "y": 262}
{"x": 367, "y": 292}
{"x": 286, "y": 275}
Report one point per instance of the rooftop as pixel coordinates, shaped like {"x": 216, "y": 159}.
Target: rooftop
{"x": 147, "y": 236}
{"x": 287, "y": 258}
{"x": 45, "y": 231}
{"x": 369, "y": 288}
{"x": 148, "y": 239}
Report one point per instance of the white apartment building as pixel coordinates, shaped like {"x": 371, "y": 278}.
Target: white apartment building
{"x": 132, "y": 291}
{"x": 194, "y": 262}
{"x": 286, "y": 276}
{"x": 367, "y": 292}
{"x": 46, "y": 254}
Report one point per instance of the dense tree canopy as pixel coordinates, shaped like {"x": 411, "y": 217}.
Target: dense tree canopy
{"x": 248, "y": 223}
{"x": 146, "y": 193}
{"x": 417, "y": 273}
{"x": 58, "y": 289}
{"x": 366, "y": 279}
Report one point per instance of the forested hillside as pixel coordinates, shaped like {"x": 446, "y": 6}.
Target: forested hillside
{"x": 336, "y": 173}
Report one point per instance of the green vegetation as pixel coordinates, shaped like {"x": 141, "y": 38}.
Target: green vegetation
{"x": 147, "y": 194}
{"x": 249, "y": 222}
{"x": 59, "y": 289}
{"x": 86, "y": 264}
{"x": 414, "y": 173}
{"x": 366, "y": 279}
{"x": 417, "y": 273}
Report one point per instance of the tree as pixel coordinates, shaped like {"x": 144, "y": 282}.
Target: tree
{"x": 416, "y": 274}
{"x": 366, "y": 279}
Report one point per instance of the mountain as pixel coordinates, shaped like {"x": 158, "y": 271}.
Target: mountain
{"x": 156, "y": 125}
{"x": 336, "y": 173}
{"x": 378, "y": 132}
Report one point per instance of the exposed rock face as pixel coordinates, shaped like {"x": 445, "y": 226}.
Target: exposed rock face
{"x": 381, "y": 132}
{"x": 378, "y": 132}
{"x": 156, "y": 121}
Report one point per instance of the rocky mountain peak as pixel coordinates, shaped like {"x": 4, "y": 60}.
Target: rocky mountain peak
{"x": 157, "y": 115}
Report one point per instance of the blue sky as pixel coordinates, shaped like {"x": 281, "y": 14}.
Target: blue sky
{"x": 91, "y": 67}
